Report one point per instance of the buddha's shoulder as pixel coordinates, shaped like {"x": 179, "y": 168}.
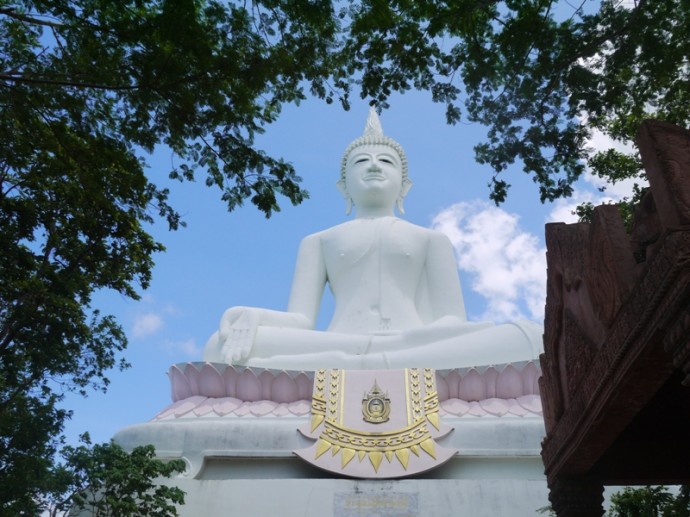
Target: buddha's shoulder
{"x": 357, "y": 226}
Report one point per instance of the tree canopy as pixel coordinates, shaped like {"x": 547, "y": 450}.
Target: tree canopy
{"x": 89, "y": 87}
{"x": 106, "y": 481}
{"x": 651, "y": 501}
{"x": 540, "y": 75}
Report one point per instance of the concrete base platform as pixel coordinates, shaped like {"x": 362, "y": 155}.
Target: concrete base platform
{"x": 365, "y": 498}
{"x": 245, "y": 466}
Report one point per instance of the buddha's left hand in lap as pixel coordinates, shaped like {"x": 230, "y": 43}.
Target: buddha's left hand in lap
{"x": 236, "y": 336}
{"x": 238, "y": 328}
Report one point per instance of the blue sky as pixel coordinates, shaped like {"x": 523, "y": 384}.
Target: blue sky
{"x": 225, "y": 259}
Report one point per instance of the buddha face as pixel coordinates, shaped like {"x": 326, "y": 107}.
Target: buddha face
{"x": 373, "y": 176}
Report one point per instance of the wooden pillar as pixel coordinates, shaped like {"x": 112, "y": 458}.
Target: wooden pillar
{"x": 577, "y": 497}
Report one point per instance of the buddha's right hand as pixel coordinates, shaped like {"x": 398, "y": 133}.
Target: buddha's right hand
{"x": 238, "y": 328}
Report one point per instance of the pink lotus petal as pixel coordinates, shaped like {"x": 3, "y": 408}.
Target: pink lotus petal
{"x": 205, "y": 407}
{"x": 281, "y": 410}
{"x": 509, "y": 384}
{"x": 453, "y": 379}
{"x": 168, "y": 410}
{"x": 456, "y": 407}
{"x": 442, "y": 388}
{"x": 531, "y": 403}
{"x": 266, "y": 378}
{"x": 494, "y": 406}
{"x": 284, "y": 389}
{"x": 305, "y": 386}
{"x": 529, "y": 374}
{"x": 476, "y": 409}
{"x": 244, "y": 409}
{"x": 230, "y": 376}
{"x": 299, "y": 408}
{"x": 472, "y": 386}
{"x": 248, "y": 386}
{"x": 211, "y": 383}
{"x": 490, "y": 377}
{"x": 179, "y": 384}
{"x": 192, "y": 375}
{"x": 188, "y": 405}
{"x": 226, "y": 405}
{"x": 263, "y": 407}
{"x": 516, "y": 409}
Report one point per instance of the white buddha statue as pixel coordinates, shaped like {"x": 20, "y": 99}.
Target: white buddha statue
{"x": 397, "y": 293}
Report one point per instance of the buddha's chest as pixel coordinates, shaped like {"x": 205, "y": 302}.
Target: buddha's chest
{"x": 381, "y": 247}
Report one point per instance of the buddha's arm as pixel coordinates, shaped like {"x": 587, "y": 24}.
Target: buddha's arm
{"x": 305, "y": 297}
{"x": 239, "y": 325}
{"x": 443, "y": 283}
{"x": 309, "y": 281}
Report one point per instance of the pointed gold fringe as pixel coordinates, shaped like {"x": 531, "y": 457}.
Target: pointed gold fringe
{"x": 361, "y": 455}
{"x": 428, "y": 446}
{"x": 415, "y": 450}
{"x": 346, "y": 456}
{"x": 316, "y": 421}
{"x": 403, "y": 456}
{"x": 389, "y": 456}
{"x": 321, "y": 447}
{"x": 375, "y": 457}
{"x": 335, "y": 449}
{"x": 433, "y": 418}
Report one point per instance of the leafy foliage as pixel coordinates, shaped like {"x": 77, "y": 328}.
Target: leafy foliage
{"x": 87, "y": 87}
{"x": 614, "y": 166}
{"x": 541, "y": 75}
{"x": 650, "y": 501}
{"x": 105, "y": 481}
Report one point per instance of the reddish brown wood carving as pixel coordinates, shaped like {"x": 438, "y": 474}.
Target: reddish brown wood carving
{"x": 617, "y": 338}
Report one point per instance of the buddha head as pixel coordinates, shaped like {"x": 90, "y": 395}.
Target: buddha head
{"x": 377, "y": 163}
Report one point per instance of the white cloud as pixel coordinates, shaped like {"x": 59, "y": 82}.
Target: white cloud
{"x": 563, "y": 210}
{"x": 171, "y": 309}
{"x": 503, "y": 263}
{"x": 186, "y": 348}
{"x": 601, "y": 142}
{"x": 147, "y": 298}
{"x": 146, "y": 324}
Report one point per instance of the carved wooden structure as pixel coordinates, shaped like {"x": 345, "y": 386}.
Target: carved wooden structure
{"x": 617, "y": 339}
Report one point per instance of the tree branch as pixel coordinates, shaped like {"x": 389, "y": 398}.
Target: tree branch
{"x": 13, "y": 13}
{"x": 20, "y": 78}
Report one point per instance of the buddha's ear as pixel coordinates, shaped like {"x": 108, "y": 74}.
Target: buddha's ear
{"x": 343, "y": 190}
{"x": 404, "y": 189}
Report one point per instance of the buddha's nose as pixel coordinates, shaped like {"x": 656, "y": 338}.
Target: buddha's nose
{"x": 374, "y": 168}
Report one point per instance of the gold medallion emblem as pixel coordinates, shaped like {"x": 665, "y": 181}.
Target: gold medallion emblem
{"x": 403, "y": 445}
{"x": 376, "y": 406}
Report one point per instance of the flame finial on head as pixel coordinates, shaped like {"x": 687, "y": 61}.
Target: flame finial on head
{"x": 373, "y": 126}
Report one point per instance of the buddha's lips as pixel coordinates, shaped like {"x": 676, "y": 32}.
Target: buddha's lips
{"x": 374, "y": 176}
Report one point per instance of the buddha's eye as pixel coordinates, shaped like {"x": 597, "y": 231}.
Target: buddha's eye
{"x": 386, "y": 160}
{"x": 361, "y": 160}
